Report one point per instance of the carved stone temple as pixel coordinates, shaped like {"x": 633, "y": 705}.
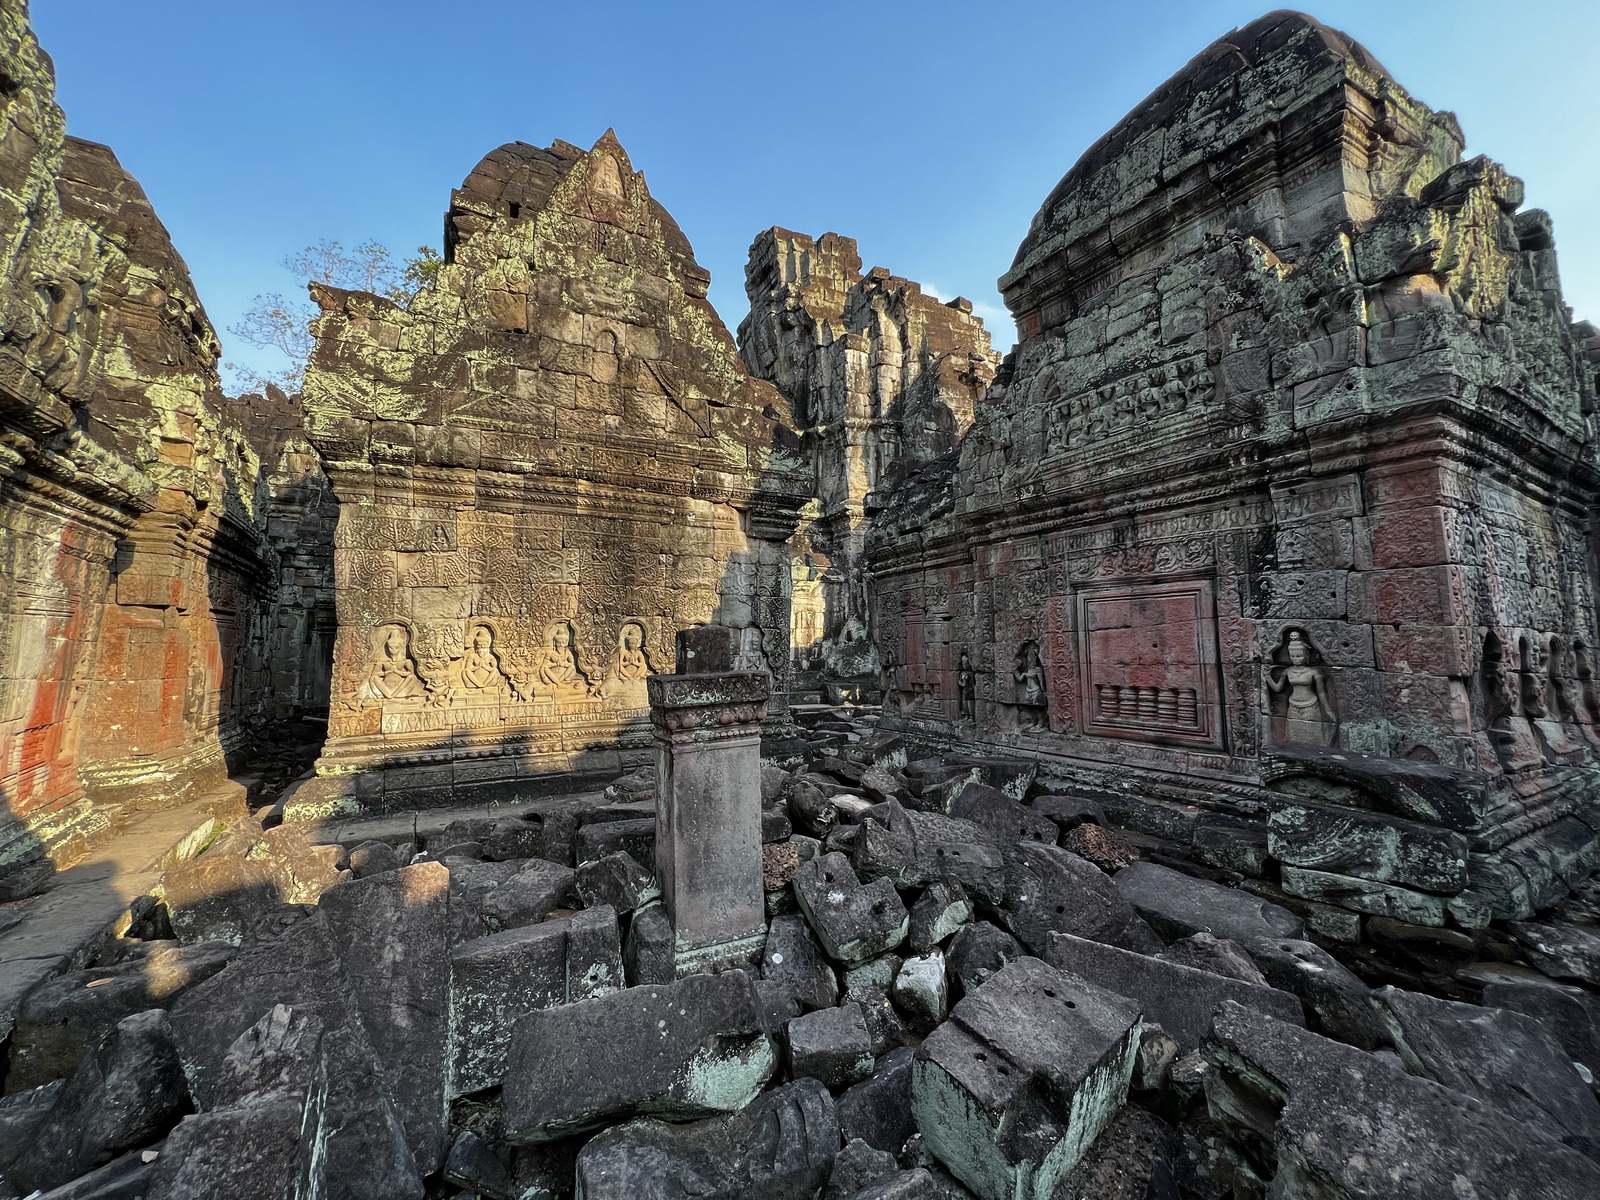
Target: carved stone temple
{"x": 1285, "y": 491}
{"x": 1163, "y": 760}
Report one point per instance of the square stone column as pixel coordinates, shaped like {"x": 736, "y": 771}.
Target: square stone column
{"x": 707, "y": 721}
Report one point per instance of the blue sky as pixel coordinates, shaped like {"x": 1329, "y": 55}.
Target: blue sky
{"x": 930, "y": 131}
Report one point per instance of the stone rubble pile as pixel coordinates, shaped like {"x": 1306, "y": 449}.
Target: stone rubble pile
{"x": 948, "y": 1004}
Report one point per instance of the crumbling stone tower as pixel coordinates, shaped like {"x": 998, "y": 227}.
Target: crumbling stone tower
{"x": 883, "y": 378}
{"x": 547, "y": 464}
{"x": 1293, "y": 464}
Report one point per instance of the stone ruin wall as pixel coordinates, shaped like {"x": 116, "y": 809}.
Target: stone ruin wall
{"x": 139, "y": 527}
{"x": 883, "y": 379}
{"x": 1293, "y": 380}
{"x": 547, "y": 464}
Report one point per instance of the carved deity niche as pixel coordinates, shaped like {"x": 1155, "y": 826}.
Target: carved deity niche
{"x": 1299, "y": 693}
{"x": 1535, "y": 701}
{"x": 627, "y": 669}
{"x": 1032, "y": 695}
{"x": 480, "y": 677}
{"x": 752, "y": 650}
{"x": 558, "y": 673}
{"x": 391, "y": 675}
{"x": 1583, "y": 666}
{"x": 1147, "y": 663}
{"x": 966, "y": 688}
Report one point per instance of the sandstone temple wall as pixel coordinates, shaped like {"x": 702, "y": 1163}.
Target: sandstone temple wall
{"x": 546, "y": 465}
{"x": 1296, "y": 447}
{"x": 883, "y": 378}
{"x": 138, "y": 577}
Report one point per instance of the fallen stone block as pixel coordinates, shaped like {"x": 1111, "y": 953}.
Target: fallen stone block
{"x": 508, "y": 839}
{"x": 1176, "y": 905}
{"x": 1012, "y": 1090}
{"x": 1347, "y": 841}
{"x": 1130, "y": 1160}
{"x": 793, "y": 960}
{"x": 1013, "y": 776}
{"x": 127, "y": 1094}
{"x": 1205, "y": 952}
{"x": 365, "y": 1152}
{"x": 64, "y": 1020}
{"x": 782, "y": 1147}
{"x": 1364, "y": 895}
{"x": 1051, "y": 890}
{"x": 915, "y": 1184}
{"x": 942, "y": 909}
{"x": 878, "y": 1109}
{"x": 914, "y": 849}
{"x": 247, "y": 1151}
{"x": 854, "y": 921}
{"x": 218, "y": 897}
{"x": 497, "y": 979}
{"x": 616, "y": 880}
{"x": 471, "y": 886}
{"x": 374, "y": 858}
{"x": 21, "y": 1115}
{"x": 472, "y": 1165}
{"x": 857, "y": 1167}
{"x": 1068, "y": 812}
{"x": 529, "y": 896}
{"x": 1560, "y": 951}
{"x": 1503, "y": 1058}
{"x": 126, "y": 1178}
{"x": 301, "y": 868}
{"x": 978, "y": 952}
{"x": 393, "y": 935}
{"x": 922, "y": 991}
{"x": 884, "y": 1026}
{"x": 647, "y": 951}
{"x": 688, "y": 1049}
{"x": 1334, "y": 1000}
{"x": 636, "y": 837}
{"x": 1568, "y": 1013}
{"x": 832, "y": 1045}
{"x": 1332, "y": 1121}
{"x": 1005, "y": 819}
{"x": 1180, "y": 999}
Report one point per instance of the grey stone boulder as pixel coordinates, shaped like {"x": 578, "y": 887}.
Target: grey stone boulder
{"x": 598, "y": 839}
{"x": 62, "y": 1021}
{"x": 884, "y": 1024}
{"x": 1503, "y": 1058}
{"x": 1005, "y": 819}
{"x": 1180, "y": 999}
{"x": 854, "y": 921}
{"x": 1332, "y": 1121}
{"x": 1068, "y": 812}
{"x": 616, "y": 879}
{"x": 1131, "y": 1160}
{"x": 978, "y": 952}
{"x": 774, "y": 783}
{"x": 914, "y": 849}
{"x": 1013, "y": 776}
{"x": 127, "y": 1094}
{"x": 128, "y": 1177}
{"x": 647, "y": 951}
{"x": 878, "y": 1109}
{"x": 1570, "y": 1014}
{"x": 1204, "y": 952}
{"x": 810, "y": 808}
{"x": 1561, "y": 951}
{"x": 471, "y": 886}
{"x": 916, "y": 1184}
{"x": 858, "y": 1166}
{"x": 1177, "y": 905}
{"x": 218, "y": 897}
{"x": 365, "y": 1152}
{"x": 251, "y": 1150}
{"x": 1010, "y": 1092}
{"x": 793, "y": 960}
{"x": 496, "y": 979}
{"x": 876, "y": 785}
{"x": 782, "y": 1147}
{"x": 832, "y": 1045}
{"x": 922, "y": 991}
{"x": 21, "y": 1115}
{"x": 393, "y": 937}
{"x": 374, "y": 858}
{"x": 527, "y": 897}
{"x": 1051, "y": 890}
{"x": 508, "y": 839}
{"x": 688, "y": 1049}
{"x": 942, "y": 909}
{"x": 473, "y": 1165}
{"x": 1334, "y": 1000}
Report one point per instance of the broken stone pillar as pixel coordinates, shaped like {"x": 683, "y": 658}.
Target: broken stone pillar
{"x": 707, "y": 721}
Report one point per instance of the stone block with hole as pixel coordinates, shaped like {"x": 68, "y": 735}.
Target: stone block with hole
{"x": 854, "y": 921}
{"x": 1012, "y": 1090}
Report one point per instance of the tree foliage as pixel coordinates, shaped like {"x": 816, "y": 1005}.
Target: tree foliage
{"x": 276, "y": 323}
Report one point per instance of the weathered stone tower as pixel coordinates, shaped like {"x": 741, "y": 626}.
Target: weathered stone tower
{"x": 1294, "y": 464}
{"x": 547, "y": 465}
